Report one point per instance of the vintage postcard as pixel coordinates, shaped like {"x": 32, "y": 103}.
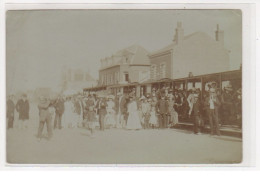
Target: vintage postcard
{"x": 124, "y": 86}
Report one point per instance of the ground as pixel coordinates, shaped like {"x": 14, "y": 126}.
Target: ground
{"x": 117, "y": 146}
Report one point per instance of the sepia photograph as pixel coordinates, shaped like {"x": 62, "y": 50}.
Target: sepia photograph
{"x": 124, "y": 86}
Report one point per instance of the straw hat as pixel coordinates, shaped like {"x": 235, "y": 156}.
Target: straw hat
{"x": 229, "y": 87}
{"x": 212, "y": 90}
{"x": 143, "y": 98}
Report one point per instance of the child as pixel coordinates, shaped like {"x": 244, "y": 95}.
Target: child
{"x": 91, "y": 120}
{"x": 146, "y": 108}
{"x": 153, "y": 118}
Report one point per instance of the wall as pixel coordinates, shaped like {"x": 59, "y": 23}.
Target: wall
{"x": 157, "y": 60}
{"x": 199, "y": 55}
{"x": 107, "y": 72}
{"x": 134, "y": 72}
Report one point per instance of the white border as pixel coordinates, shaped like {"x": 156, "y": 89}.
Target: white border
{"x": 249, "y": 37}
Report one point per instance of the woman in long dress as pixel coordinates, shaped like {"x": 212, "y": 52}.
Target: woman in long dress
{"x": 133, "y": 122}
{"x": 173, "y": 114}
{"x": 153, "y": 119}
{"x": 68, "y": 113}
{"x": 110, "y": 117}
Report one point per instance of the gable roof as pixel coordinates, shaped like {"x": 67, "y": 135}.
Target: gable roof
{"x": 136, "y": 55}
{"x": 171, "y": 46}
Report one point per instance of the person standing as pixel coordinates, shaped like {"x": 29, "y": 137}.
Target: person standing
{"x": 196, "y": 115}
{"x": 162, "y": 108}
{"x": 212, "y": 104}
{"x": 177, "y": 102}
{"x": 91, "y": 120}
{"x": 172, "y": 113}
{"x": 153, "y": 118}
{"x": 68, "y": 113}
{"x": 133, "y": 121}
{"x": 110, "y": 117}
{"x": 10, "y": 111}
{"x": 77, "y": 110}
{"x": 22, "y": 107}
{"x": 146, "y": 111}
{"x": 228, "y": 104}
{"x": 45, "y": 117}
{"x": 121, "y": 109}
{"x": 102, "y": 104}
{"x": 190, "y": 100}
{"x": 59, "y": 110}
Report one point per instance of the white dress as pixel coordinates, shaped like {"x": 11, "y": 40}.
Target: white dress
{"x": 110, "y": 117}
{"x": 133, "y": 122}
{"x": 153, "y": 119}
{"x": 69, "y": 115}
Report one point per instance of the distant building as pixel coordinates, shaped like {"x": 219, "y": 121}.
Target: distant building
{"x": 128, "y": 65}
{"x": 194, "y": 54}
{"x": 76, "y": 79}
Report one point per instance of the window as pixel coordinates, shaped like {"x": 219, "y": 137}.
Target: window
{"x": 116, "y": 77}
{"x": 153, "y": 72}
{"x": 162, "y": 70}
{"x": 126, "y": 77}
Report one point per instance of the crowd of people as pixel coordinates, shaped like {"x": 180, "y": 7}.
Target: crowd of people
{"x": 160, "y": 109}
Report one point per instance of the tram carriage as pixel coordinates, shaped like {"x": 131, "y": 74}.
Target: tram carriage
{"x": 182, "y": 84}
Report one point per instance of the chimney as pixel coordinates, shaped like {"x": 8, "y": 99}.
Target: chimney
{"x": 179, "y": 33}
{"x": 220, "y": 35}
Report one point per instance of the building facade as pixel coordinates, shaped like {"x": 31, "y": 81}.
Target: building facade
{"x": 128, "y": 65}
{"x": 194, "y": 54}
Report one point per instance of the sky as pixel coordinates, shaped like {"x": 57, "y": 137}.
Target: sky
{"x": 40, "y": 42}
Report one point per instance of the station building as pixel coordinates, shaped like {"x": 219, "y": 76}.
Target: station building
{"x": 193, "y": 54}
{"x": 127, "y": 66}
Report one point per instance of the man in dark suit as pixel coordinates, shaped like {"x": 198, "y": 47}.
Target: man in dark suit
{"x": 22, "y": 107}
{"x": 101, "y": 109}
{"x": 195, "y": 114}
{"x": 212, "y": 103}
{"x": 121, "y": 107}
{"x": 10, "y": 111}
{"x": 59, "y": 110}
{"x": 162, "y": 109}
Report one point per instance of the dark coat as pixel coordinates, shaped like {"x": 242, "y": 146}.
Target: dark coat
{"x": 10, "y": 109}
{"x": 44, "y": 111}
{"x": 59, "y": 106}
{"x": 91, "y": 115}
{"x": 22, "y": 107}
{"x": 77, "y": 107}
{"x": 101, "y": 106}
{"x": 196, "y": 109}
{"x": 162, "y": 106}
{"x": 89, "y": 103}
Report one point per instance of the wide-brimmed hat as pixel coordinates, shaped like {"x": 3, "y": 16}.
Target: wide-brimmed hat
{"x": 143, "y": 98}
{"x": 119, "y": 93}
{"x": 228, "y": 87}
{"x": 213, "y": 83}
{"x": 193, "y": 89}
{"x": 196, "y": 95}
{"x": 212, "y": 90}
{"x": 110, "y": 97}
